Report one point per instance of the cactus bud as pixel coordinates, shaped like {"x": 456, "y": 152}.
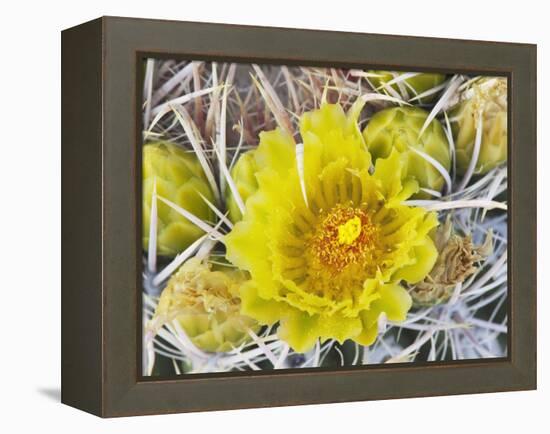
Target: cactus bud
{"x": 177, "y": 176}
{"x": 412, "y": 86}
{"x": 400, "y": 127}
{"x": 206, "y": 305}
{"x": 484, "y": 101}
{"x": 244, "y": 177}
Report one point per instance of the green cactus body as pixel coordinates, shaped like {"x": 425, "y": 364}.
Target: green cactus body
{"x": 413, "y": 86}
{"x": 487, "y": 96}
{"x": 400, "y": 127}
{"x": 205, "y": 303}
{"x": 179, "y": 178}
{"x": 244, "y": 176}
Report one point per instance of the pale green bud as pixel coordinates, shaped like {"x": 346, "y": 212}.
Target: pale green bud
{"x": 485, "y": 103}
{"x": 206, "y": 304}
{"x": 244, "y": 177}
{"x": 412, "y": 86}
{"x": 399, "y": 128}
{"x": 178, "y": 177}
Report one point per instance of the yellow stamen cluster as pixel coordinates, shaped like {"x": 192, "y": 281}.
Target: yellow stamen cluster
{"x": 344, "y": 236}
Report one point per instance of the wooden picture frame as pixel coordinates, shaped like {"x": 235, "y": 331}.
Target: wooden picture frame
{"x": 101, "y": 287}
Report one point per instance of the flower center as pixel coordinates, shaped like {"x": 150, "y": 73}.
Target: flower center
{"x": 344, "y": 236}
{"x": 349, "y": 231}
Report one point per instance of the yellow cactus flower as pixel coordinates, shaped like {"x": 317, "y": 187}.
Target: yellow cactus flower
{"x": 206, "y": 304}
{"x": 326, "y": 241}
{"x": 177, "y": 176}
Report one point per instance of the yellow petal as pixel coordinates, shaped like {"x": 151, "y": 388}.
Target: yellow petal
{"x": 276, "y": 151}
{"x": 425, "y": 256}
{"x": 388, "y": 172}
{"x": 367, "y": 336}
{"x": 394, "y": 301}
{"x": 267, "y": 312}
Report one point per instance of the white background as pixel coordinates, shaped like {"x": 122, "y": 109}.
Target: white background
{"x": 30, "y": 215}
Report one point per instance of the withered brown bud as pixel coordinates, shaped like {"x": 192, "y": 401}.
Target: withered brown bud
{"x": 458, "y": 259}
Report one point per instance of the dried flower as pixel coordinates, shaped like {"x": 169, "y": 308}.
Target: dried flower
{"x": 483, "y": 103}
{"x": 206, "y": 305}
{"x": 399, "y": 128}
{"x": 457, "y": 260}
{"x": 177, "y": 176}
{"x": 326, "y": 241}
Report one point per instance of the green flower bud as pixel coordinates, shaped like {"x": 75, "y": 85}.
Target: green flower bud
{"x": 205, "y": 303}
{"x": 488, "y": 97}
{"x": 244, "y": 176}
{"x": 400, "y": 127}
{"x": 179, "y": 177}
{"x": 413, "y": 86}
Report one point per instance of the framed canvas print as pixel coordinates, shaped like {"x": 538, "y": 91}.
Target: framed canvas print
{"x": 260, "y": 216}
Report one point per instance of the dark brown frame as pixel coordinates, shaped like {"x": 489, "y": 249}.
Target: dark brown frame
{"x": 101, "y": 282}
